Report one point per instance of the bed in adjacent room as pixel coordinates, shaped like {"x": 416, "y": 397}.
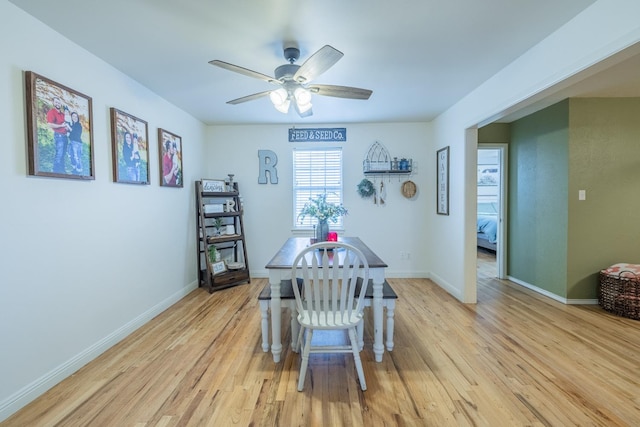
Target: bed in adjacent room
{"x": 487, "y": 232}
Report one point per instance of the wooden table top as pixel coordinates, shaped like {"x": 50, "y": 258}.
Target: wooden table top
{"x": 283, "y": 259}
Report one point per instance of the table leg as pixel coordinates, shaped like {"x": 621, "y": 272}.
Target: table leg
{"x": 276, "y": 308}
{"x": 377, "y": 276}
{"x": 391, "y": 306}
{"x": 264, "y": 322}
{"x": 295, "y": 327}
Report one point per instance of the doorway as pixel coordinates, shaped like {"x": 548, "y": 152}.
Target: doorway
{"x": 491, "y": 212}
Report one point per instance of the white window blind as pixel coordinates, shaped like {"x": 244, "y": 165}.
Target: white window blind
{"x": 315, "y": 172}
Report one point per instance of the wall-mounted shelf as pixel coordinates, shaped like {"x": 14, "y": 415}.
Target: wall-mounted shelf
{"x": 379, "y": 162}
{"x": 389, "y": 172}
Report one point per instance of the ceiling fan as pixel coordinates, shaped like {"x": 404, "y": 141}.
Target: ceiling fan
{"x": 294, "y": 81}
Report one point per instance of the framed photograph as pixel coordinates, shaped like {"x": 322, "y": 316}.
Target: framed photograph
{"x": 59, "y": 130}
{"x": 130, "y": 148}
{"x": 171, "y": 159}
{"x": 442, "y": 181}
{"x": 218, "y": 267}
{"x": 213, "y": 186}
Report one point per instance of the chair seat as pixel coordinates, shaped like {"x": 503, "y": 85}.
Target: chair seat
{"x": 328, "y": 321}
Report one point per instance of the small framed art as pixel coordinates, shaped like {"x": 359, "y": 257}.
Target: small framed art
{"x": 171, "y": 159}
{"x": 442, "y": 181}
{"x": 59, "y": 130}
{"x": 218, "y": 267}
{"x": 213, "y": 186}
{"x": 130, "y": 148}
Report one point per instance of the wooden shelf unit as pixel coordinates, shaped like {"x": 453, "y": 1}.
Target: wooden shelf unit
{"x": 231, "y": 247}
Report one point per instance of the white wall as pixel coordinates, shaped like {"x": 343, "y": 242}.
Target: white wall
{"x": 82, "y": 263}
{"x": 602, "y": 31}
{"x": 387, "y": 230}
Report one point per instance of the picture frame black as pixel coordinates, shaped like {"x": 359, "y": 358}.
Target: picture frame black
{"x": 59, "y": 130}
{"x": 442, "y": 181}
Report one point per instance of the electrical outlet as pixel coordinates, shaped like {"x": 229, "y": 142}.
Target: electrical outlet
{"x": 402, "y": 255}
{"x": 407, "y": 255}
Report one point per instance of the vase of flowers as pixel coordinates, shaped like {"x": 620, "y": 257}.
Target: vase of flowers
{"x": 323, "y": 212}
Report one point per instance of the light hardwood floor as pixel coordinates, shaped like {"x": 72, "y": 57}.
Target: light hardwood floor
{"x": 513, "y": 359}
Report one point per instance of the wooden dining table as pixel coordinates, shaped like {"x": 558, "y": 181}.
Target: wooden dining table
{"x": 279, "y": 269}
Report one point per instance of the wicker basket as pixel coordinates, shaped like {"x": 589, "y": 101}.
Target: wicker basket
{"x": 620, "y": 293}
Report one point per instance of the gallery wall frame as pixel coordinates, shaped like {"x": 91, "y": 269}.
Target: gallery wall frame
{"x": 170, "y": 149}
{"x": 442, "y": 181}
{"x": 59, "y": 130}
{"x": 130, "y": 148}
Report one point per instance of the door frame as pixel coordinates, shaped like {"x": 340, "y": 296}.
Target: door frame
{"x": 501, "y": 251}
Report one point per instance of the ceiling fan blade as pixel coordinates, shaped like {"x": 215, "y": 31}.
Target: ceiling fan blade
{"x": 317, "y": 64}
{"x": 245, "y": 71}
{"x": 340, "y": 91}
{"x": 249, "y": 97}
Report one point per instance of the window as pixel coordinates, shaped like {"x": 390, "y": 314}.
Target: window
{"x": 316, "y": 171}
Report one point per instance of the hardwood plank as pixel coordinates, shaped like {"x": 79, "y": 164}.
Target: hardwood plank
{"x": 514, "y": 358}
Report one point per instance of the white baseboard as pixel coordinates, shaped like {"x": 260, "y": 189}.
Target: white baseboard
{"x": 446, "y": 286}
{"x": 552, "y": 295}
{"x": 31, "y": 391}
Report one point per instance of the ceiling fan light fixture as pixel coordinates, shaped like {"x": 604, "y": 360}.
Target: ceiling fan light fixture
{"x": 305, "y": 111}
{"x": 303, "y": 108}
{"x": 280, "y": 100}
{"x": 303, "y": 99}
{"x": 303, "y": 96}
{"x": 284, "y": 107}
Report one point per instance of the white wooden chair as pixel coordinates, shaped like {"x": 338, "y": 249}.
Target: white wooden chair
{"x": 328, "y": 299}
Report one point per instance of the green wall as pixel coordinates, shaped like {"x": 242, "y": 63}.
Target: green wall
{"x": 604, "y": 159}
{"x": 495, "y": 133}
{"x": 556, "y": 241}
{"x": 537, "y": 199}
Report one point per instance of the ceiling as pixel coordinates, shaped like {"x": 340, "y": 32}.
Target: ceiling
{"x": 418, "y": 56}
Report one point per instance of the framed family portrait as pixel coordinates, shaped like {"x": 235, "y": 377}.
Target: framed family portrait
{"x": 442, "y": 181}
{"x": 59, "y": 130}
{"x": 170, "y": 146}
{"x": 130, "y": 148}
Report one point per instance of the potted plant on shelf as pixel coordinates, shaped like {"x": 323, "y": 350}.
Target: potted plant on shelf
{"x": 217, "y": 224}
{"x": 323, "y": 212}
{"x": 214, "y": 255}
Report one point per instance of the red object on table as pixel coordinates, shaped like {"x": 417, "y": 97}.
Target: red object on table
{"x": 332, "y": 236}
